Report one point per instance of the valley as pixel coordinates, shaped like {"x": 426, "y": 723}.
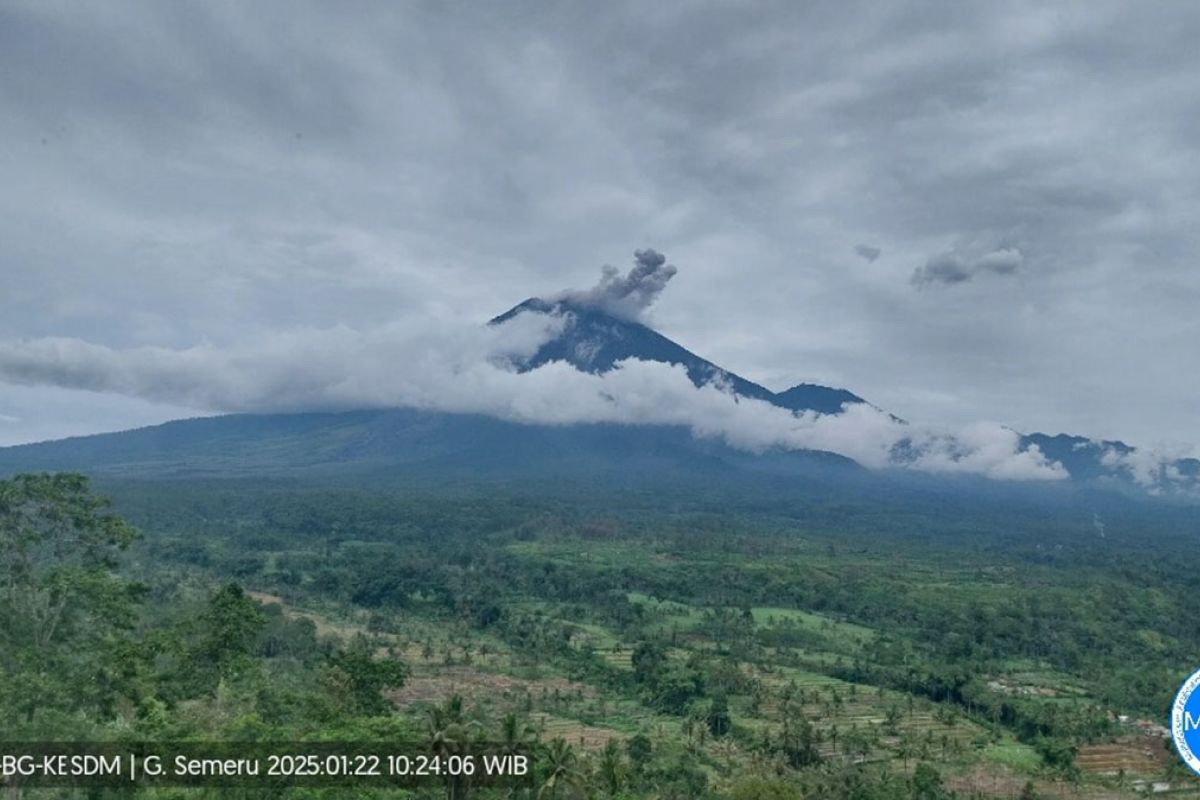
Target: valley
{"x": 670, "y": 653}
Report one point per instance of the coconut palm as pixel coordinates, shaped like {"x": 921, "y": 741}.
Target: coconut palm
{"x": 612, "y": 770}
{"x": 563, "y": 773}
{"x": 516, "y": 738}
{"x": 449, "y": 732}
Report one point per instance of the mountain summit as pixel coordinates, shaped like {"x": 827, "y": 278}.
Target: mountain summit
{"x": 594, "y": 340}
{"x": 833, "y": 435}
{"x": 596, "y": 337}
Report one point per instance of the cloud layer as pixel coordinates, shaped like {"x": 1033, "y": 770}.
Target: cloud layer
{"x": 470, "y": 369}
{"x": 225, "y": 172}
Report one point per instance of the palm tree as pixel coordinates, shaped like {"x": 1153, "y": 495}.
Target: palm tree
{"x": 611, "y": 768}
{"x": 515, "y": 734}
{"x": 562, "y": 770}
{"x": 449, "y": 733}
{"x": 444, "y": 726}
{"x": 515, "y": 738}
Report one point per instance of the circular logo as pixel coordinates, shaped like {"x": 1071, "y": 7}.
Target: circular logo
{"x": 1185, "y": 722}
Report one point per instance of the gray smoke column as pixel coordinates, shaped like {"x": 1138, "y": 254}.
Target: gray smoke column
{"x": 630, "y": 294}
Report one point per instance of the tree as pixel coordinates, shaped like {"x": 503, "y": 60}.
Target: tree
{"x": 611, "y": 767}
{"x": 640, "y": 750}
{"x": 719, "y": 721}
{"x": 364, "y": 679}
{"x": 676, "y": 688}
{"x": 447, "y": 727}
{"x": 561, "y": 770}
{"x": 766, "y": 789}
{"x": 891, "y": 718}
{"x": 927, "y": 783}
{"x": 514, "y": 734}
{"x": 65, "y": 615}
{"x": 229, "y": 630}
{"x": 450, "y": 733}
{"x": 647, "y": 661}
{"x": 798, "y": 743}
{"x": 1056, "y": 753}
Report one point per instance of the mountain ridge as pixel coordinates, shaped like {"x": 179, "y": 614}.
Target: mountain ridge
{"x": 412, "y": 442}
{"x": 595, "y": 341}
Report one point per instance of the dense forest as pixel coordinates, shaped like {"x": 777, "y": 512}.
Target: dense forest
{"x": 634, "y": 647}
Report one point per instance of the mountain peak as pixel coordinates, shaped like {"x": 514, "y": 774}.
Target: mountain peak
{"x": 594, "y": 340}
{"x": 535, "y": 304}
{"x": 815, "y": 397}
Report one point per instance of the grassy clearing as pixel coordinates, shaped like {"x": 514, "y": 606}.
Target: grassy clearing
{"x": 1014, "y": 755}
{"x": 844, "y": 633}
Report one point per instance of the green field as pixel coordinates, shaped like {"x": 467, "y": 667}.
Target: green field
{"x": 661, "y": 655}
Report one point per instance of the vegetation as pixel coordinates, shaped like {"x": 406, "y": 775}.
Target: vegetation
{"x": 648, "y": 651}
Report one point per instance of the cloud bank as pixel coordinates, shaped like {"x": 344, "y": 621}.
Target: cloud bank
{"x": 230, "y": 170}
{"x": 1156, "y": 469}
{"x": 470, "y": 369}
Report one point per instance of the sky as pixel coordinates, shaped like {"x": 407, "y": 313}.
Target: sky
{"x": 961, "y": 212}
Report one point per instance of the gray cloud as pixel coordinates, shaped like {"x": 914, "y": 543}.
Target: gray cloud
{"x": 468, "y": 368}
{"x": 947, "y": 268}
{"x": 224, "y": 173}
{"x": 950, "y": 268}
{"x": 630, "y": 294}
{"x": 867, "y": 252}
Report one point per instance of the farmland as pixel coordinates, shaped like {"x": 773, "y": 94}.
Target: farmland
{"x": 669, "y": 655}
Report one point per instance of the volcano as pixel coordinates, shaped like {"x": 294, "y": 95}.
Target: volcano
{"x": 424, "y": 445}
{"x": 595, "y": 341}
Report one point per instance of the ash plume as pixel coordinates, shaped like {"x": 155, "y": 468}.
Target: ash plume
{"x": 631, "y": 294}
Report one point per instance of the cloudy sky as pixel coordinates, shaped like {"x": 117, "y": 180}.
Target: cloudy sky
{"x": 960, "y": 211}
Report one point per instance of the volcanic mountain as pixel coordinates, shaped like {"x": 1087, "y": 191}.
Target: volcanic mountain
{"x": 593, "y": 340}
{"x": 421, "y": 445}
{"x": 435, "y": 446}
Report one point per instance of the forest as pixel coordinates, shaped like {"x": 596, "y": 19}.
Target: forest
{"x": 638, "y": 646}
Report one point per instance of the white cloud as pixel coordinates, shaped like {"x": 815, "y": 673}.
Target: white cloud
{"x": 251, "y": 168}
{"x": 455, "y": 368}
{"x": 1153, "y": 468}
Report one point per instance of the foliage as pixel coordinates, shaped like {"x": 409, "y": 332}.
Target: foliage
{"x": 634, "y": 651}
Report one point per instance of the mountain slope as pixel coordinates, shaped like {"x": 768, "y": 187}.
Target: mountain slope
{"x": 431, "y": 446}
{"x": 417, "y": 445}
{"x": 1091, "y": 459}
{"x": 594, "y": 341}
{"x": 814, "y": 397}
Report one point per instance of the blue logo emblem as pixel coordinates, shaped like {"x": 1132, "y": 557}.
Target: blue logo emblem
{"x": 1185, "y": 722}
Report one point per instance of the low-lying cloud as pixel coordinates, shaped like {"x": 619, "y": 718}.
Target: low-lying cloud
{"x": 1156, "y": 469}
{"x": 470, "y": 369}
{"x": 948, "y": 269}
